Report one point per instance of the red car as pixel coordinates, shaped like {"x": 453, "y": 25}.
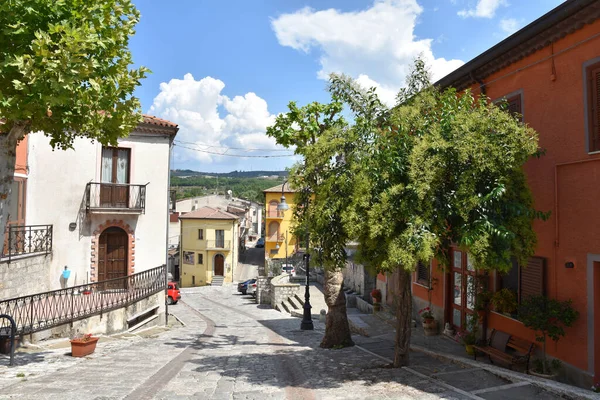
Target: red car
{"x": 173, "y": 293}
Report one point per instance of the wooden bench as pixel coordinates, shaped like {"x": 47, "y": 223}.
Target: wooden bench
{"x": 507, "y": 348}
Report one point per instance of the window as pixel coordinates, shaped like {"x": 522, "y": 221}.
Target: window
{"x": 188, "y": 257}
{"x": 593, "y": 106}
{"x": 220, "y": 238}
{"x": 115, "y": 165}
{"x": 200, "y": 234}
{"x": 514, "y": 105}
{"x": 423, "y": 273}
{"x": 200, "y": 258}
{"x": 524, "y": 281}
{"x": 16, "y": 210}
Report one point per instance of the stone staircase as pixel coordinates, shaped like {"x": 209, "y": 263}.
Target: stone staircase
{"x": 217, "y": 281}
{"x": 293, "y": 306}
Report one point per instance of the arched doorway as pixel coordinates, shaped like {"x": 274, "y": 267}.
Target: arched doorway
{"x": 219, "y": 266}
{"x": 273, "y": 231}
{"x": 113, "y": 254}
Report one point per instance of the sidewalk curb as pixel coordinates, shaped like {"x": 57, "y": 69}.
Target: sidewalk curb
{"x": 552, "y": 386}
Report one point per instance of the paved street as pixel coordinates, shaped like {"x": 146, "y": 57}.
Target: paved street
{"x": 230, "y": 348}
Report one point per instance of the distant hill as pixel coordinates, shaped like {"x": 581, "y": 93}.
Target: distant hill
{"x": 232, "y": 174}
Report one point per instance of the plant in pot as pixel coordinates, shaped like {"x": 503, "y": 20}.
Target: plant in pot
{"x": 429, "y": 322}
{"x": 596, "y": 388}
{"x": 504, "y": 301}
{"x": 82, "y": 345}
{"x": 548, "y": 318}
{"x": 482, "y": 302}
{"x": 468, "y": 339}
{"x": 376, "y": 295}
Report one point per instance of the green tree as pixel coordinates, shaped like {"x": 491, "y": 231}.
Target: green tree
{"x": 437, "y": 169}
{"x": 64, "y": 70}
{"x": 322, "y": 193}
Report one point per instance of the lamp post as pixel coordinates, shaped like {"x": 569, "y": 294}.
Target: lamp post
{"x": 307, "y": 323}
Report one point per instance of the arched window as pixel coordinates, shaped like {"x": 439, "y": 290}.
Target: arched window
{"x": 273, "y": 232}
{"x": 273, "y": 208}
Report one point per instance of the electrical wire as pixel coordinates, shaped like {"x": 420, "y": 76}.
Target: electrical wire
{"x": 226, "y": 147}
{"x": 234, "y": 155}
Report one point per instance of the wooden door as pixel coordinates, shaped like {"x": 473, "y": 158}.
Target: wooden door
{"x": 114, "y": 190}
{"x": 219, "y": 265}
{"x": 462, "y": 290}
{"x": 112, "y": 257}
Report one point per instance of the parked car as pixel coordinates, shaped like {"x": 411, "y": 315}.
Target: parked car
{"x": 288, "y": 269}
{"x": 173, "y": 294}
{"x": 260, "y": 242}
{"x": 251, "y": 289}
{"x": 243, "y": 286}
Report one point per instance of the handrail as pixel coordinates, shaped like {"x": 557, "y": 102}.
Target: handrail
{"x": 41, "y": 311}
{"x": 13, "y": 330}
{"x": 100, "y": 196}
{"x": 26, "y": 239}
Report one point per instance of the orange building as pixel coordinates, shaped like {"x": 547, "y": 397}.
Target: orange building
{"x": 549, "y": 72}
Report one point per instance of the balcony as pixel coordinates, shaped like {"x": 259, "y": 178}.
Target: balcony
{"x": 26, "y": 240}
{"x": 275, "y": 214}
{"x": 115, "y": 198}
{"x": 218, "y": 245}
{"x": 276, "y": 238}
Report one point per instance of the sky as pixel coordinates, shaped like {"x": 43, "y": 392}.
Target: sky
{"x": 222, "y": 70}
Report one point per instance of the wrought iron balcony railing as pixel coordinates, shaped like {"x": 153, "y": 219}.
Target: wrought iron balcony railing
{"x": 218, "y": 244}
{"x": 115, "y": 197}
{"x": 276, "y": 238}
{"x": 23, "y": 240}
{"x": 46, "y": 310}
{"x": 274, "y": 213}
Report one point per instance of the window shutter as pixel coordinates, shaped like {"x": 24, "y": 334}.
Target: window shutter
{"x": 514, "y": 106}
{"x": 423, "y": 273}
{"x": 532, "y": 278}
{"x": 594, "y": 108}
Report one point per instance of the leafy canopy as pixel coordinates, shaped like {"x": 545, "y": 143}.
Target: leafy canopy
{"x": 64, "y": 68}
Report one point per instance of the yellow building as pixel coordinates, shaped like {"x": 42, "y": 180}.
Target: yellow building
{"x": 209, "y": 247}
{"x": 278, "y": 224}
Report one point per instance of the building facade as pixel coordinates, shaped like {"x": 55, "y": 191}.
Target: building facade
{"x": 101, "y": 212}
{"x": 549, "y": 72}
{"x": 209, "y": 247}
{"x": 279, "y": 240}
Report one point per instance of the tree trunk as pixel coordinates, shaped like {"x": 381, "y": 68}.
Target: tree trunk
{"x": 403, "y": 319}
{"x": 337, "y": 330}
{"x": 8, "y": 154}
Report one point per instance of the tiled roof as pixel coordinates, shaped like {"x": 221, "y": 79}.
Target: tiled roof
{"x": 277, "y": 189}
{"x": 152, "y": 124}
{"x": 208, "y": 213}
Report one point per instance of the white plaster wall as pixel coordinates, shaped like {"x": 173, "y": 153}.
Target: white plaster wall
{"x": 55, "y": 195}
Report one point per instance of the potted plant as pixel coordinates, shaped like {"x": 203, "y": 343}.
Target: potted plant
{"x": 504, "y": 301}
{"x": 596, "y": 387}
{"x": 548, "y": 318}
{"x": 429, "y": 322}
{"x": 376, "y": 295}
{"x": 468, "y": 339}
{"x": 482, "y": 302}
{"x": 83, "y": 345}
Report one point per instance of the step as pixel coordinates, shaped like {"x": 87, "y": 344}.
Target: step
{"x": 294, "y": 303}
{"x": 217, "y": 281}
{"x": 300, "y": 300}
{"x": 284, "y": 306}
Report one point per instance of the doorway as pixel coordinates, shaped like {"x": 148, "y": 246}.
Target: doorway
{"x": 462, "y": 291}
{"x": 112, "y": 255}
{"x": 219, "y": 265}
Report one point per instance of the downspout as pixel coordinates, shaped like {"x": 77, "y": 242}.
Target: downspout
{"x": 482, "y": 88}
{"x": 556, "y": 215}
{"x": 167, "y": 233}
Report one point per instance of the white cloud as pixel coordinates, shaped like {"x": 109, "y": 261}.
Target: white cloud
{"x": 509, "y": 25}
{"x": 483, "y": 9}
{"x": 376, "y": 45}
{"x": 194, "y": 105}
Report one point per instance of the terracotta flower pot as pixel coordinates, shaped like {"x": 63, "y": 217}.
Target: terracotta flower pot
{"x": 376, "y": 306}
{"x": 430, "y": 327}
{"x": 81, "y": 348}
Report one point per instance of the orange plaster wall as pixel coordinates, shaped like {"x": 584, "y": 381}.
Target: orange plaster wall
{"x": 437, "y": 294}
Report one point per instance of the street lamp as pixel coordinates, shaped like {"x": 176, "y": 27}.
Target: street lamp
{"x": 307, "y": 323}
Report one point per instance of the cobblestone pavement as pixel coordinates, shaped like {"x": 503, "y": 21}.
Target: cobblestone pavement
{"x": 230, "y": 348}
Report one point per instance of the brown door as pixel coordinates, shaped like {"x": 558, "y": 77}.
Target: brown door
{"x": 219, "y": 265}
{"x": 462, "y": 290}
{"x": 112, "y": 257}
{"x": 114, "y": 191}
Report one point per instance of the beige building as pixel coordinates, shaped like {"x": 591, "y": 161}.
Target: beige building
{"x": 209, "y": 247}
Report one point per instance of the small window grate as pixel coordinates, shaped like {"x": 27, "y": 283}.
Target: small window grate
{"x": 423, "y": 274}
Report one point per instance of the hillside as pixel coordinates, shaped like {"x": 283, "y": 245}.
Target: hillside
{"x": 232, "y": 174}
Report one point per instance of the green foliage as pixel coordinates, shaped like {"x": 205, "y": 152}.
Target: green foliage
{"x": 504, "y": 301}
{"x": 64, "y": 68}
{"x": 548, "y": 317}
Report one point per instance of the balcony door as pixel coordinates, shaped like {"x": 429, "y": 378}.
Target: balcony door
{"x": 114, "y": 191}
{"x": 112, "y": 257}
{"x": 220, "y": 238}
{"x": 462, "y": 293}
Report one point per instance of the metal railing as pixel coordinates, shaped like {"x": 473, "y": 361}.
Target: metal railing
{"x": 218, "y": 244}
{"x": 26, "y": 239}
{"x": 115, "y": 197}
{"x": 47, "y": 310}
{"x": 274, "y": 213}
{"x": 275, "y": 237}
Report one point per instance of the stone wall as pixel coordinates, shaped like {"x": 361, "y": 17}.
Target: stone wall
{"x": 281, "y": 289}
{"x": 263, "y": 289}
{"x": 363, "y": 306}
{"x": 358, "y": 279}
{"x": 27, "y": 275}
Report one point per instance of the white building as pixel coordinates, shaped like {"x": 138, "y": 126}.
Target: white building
{"x": 108, "y": 207}
{"x": 249, "y": 212}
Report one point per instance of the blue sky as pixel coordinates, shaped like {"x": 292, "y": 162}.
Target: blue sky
{"x": 223, "y": 69}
